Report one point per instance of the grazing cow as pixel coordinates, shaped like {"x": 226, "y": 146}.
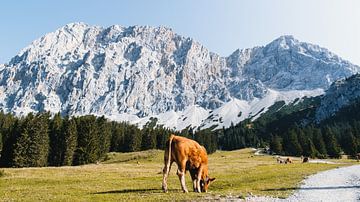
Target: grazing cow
{"x": 188, "y": 155}
{"x": 282, "y": 160}
{"x": 306, "y": 159}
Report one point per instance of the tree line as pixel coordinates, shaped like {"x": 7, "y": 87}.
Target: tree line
{"x": 38, "y": 140}
{"x": 45, "y": 140}
{"x": 293, "y": 132}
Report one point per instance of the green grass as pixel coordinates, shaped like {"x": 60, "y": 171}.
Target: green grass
{"x": 137, "y": 177}
{"x": 2, "y": 173}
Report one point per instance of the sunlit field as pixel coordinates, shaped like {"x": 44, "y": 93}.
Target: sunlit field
{"x": 138, "y": 176}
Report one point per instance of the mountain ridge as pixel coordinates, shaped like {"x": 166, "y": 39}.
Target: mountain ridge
{"x": 138, "y": 72}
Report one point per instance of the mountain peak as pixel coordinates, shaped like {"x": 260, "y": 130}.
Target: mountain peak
{"x": 286, "y": 38}
{"x": 75, "y": 24}
{"x": 283, "y": 42}
{"x": 140, "y": 72}
{"x": 73, "y": 28}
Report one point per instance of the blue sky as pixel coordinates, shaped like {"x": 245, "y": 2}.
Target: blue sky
{"x": 220, "y": 25}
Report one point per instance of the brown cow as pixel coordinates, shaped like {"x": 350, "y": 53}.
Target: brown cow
{"x": 188, "y": 155}
{"x": 306, "y": 159}
{"x": 282, "y": 160}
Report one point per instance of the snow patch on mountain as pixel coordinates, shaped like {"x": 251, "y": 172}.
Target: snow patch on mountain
{"x": 231, "y": 112}
{"x": 138, "y": 72}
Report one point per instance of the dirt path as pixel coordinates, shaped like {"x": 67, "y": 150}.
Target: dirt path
{"x": 341, "y": 184}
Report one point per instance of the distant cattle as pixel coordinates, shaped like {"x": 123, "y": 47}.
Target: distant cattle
{"x": 188, "y": 155}
{"x": 283, "y": 160}
{"x": 305, "y": 159}
{"x": 280, "y": 160}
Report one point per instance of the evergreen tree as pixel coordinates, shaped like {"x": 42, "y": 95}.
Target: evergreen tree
{"x": 56, "y": 141}
{"x": 1, "y": 143}
{"x": 118, "y": 137}
{"x": 331, "y": 143}
{"x": 133, "y": 138}
{"x": 291, "y": 144}
{"x": 88, "y": 146}
{"x": 162, "y": 137}
{"x": 21, "y": 145}
{"x": 148, "y": 139}
{"x": 32, "y": 142}
{"x": 103, "y": 136}
{"x": 319, "y": 143}
{"x": 309, "y": 149}
{"x": 69, "y": 132}
{"x": 349, "y": 143}
{"x": 276, "y": 145}
{"x": 9, "y": 140}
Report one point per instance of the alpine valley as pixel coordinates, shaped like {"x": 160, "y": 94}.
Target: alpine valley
{"x": 141, "y": 73}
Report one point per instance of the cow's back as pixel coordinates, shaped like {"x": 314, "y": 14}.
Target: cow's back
{"x": 184, "y": 149}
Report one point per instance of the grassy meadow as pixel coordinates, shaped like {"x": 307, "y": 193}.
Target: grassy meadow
{"x": 137, "y": 176}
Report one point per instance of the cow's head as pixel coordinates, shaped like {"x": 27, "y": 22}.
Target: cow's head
{"x": 204, "y": 183}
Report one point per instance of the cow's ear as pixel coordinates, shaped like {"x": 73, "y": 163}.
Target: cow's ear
{"x": 211, "y": 179}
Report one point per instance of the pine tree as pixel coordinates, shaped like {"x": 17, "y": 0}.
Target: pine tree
{"x": 7, "y": 123}
{"x": 56, "y": 141}
{"x": 309, "y": 149}
{"x": 1, "y": 143}
{"x": 117, "y": 137}
{"x": 9, "y": 140}
{"x": 303, "y": 141}
{"x": 331, "y": 143}
{"x": 18, "y": 155}
{"x": 148, "y": 139}
{"x": 319, "y": 143}
{"x": 103, "y": 135}
{"x": 69, "y": 132}
{"x": 291, "y": 144}
{"x": 32, "y": 142}
{"x": 349, "y": 143}
{"x": 87, "y": 142}
{"x": 276, "y": 145}
{"x": 133, "y": 137}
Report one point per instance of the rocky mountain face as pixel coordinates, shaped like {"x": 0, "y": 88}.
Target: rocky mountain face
{"x": 135, "y": 73}
{"x": 341, "y": 93}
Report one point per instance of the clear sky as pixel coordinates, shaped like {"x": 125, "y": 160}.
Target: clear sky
{"x": 220, "y": 25}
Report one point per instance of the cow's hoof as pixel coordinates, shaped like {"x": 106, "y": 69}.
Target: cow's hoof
{"x": 164, "y": 189}
{"x": 185, "y": 191}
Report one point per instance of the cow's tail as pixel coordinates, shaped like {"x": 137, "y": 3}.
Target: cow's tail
{"x": 169, "y": 154}
{"x": 167, "y": 163}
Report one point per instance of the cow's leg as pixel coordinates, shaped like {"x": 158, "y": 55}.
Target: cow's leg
{"x": 165, "y": 176}
{"x": 199, "y": 174}
{"x": 181, "y": 174}
{"x": 193, "y": 178}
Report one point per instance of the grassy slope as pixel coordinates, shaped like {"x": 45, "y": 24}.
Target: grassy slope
{"x": 137, "y": 176}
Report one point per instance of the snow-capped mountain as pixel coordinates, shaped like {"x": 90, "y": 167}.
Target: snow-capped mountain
{"x": 135, "y": 73}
